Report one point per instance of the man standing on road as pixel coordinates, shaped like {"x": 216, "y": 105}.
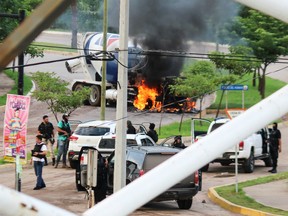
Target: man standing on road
{"x": 38, "y": 154}
{"x": 64, "y": 132}
{"x": 46, "y": 130}
{"x": 275, "y": 146}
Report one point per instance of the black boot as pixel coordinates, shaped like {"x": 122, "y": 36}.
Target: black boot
{"x": 46, "y": 163}
{"x": 53, "y": 161}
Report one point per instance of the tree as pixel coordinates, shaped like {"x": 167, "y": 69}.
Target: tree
{"x": 7, "y": 25}
{"x": 200, "y": 79}
{"x": 12, "y": 7}
{"x": 265, "y": 35}
{"x": 239, "y": 61}
{"x": 54, "y": 92}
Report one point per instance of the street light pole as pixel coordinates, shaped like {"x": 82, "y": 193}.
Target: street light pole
{"x": 21, "y": 60}
{"x": 121, "y": 112}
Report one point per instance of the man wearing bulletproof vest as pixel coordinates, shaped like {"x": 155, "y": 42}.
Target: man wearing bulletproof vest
{"x": 38, "y": 154}
{"x": 46, "y": 130}
{"x": 64, "y": 132}
{"x": 275, "y": 146}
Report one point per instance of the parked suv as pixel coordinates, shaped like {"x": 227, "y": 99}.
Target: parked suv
{"x": 140, "y": 160}
{"x": 87, "y": 134}
{"x": 104, "y": 144}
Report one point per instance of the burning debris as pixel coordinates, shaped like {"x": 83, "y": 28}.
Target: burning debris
{"x": 160, "y": 98}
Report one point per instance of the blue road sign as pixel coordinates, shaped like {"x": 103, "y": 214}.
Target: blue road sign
{"x": 234, "y": 87}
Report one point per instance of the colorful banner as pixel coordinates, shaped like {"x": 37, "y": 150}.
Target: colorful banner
{"x": 15, "y": 127}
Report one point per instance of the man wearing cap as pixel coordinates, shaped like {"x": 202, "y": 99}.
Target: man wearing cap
{"x": 64, "y": 132}
{"x": 46, "y": 130}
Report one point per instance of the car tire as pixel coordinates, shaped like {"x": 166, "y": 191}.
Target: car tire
{"x": 95, "y": 95}
{"x": 249, "y": 163}
{"x": 205, "y": 168}
{"x": 73, "y": 164}
{"x": 268, "y": 161}
{"x": 185, "y": 204}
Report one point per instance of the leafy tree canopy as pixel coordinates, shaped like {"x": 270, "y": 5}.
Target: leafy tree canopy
{"x": 266, "y": 36}
{"x": 54, "y": 92}
{"x": 199, "y": 79}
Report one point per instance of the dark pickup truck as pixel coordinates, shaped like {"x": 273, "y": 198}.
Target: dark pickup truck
{"x": 140, "y": 160}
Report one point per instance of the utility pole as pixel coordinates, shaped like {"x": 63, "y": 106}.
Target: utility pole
{"x": 121, "y": 112}
{"x": 20, "y": 16}
{"x": 21, "y": 60}
{"x": 104, "y": 63}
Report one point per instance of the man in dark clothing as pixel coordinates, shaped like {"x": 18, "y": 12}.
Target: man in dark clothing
{"x": 46, "y": 130}
{"x": 64, "y": 132}
{"x": 152, "y": 133}
{"x": 275, "y": 146}
{"x": 130, "y": 128}
{"x": 178, "y": 142}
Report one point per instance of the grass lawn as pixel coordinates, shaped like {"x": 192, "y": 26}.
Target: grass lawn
{"x": 251, "y": 96}
{"x": 14, "y": 76}
{"x": 240, "y": 198}
{"x": 55, "y": 47}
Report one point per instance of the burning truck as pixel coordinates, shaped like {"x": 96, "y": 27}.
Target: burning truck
{"x": 145, "y": 91}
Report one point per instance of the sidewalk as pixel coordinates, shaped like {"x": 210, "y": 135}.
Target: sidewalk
{"x": 6, "y": 84}
{"x": 273, "y": 194}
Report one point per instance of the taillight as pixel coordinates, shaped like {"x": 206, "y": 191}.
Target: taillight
{"x": 241, "y": 145}
{"x": 73, "y": 138}
{"x": 71, "y": 153}
{"x": 82, "y": 159}
{"x": 195, "y": 140}
{"x": 196, "y": 177}
{"x": 141, "y": 172}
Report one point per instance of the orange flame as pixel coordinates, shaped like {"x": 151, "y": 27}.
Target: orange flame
{"x": 146, "y": 98}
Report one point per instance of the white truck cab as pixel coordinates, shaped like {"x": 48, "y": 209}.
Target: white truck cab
{"x": 252, "y": 148}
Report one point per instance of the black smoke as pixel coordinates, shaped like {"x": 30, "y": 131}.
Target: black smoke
{"x": 169, "y": 25}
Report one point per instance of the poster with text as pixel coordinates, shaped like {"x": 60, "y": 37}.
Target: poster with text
{"x": 15, "y": 127}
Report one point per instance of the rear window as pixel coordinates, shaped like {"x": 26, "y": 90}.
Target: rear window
{"x": 91, "y": 131}
{"x": 152, "y": 160}
{"x": 110, "y": 143}
{"x": 215, "y": 126}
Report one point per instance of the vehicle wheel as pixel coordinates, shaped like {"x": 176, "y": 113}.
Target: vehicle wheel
{"x": 268, "y": 161}
{"x": 225, "y": 163}
{"x": 205, "y": 168}
{"x": 185, "y": 204}
{"x": 249, "y": 163}
{"x": 95, "y": 95}
{"x": 73, "y": 164}
{"x": 79, "y": 87}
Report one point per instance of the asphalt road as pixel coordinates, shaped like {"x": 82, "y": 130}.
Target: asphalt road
{"x": 61, "y": 190}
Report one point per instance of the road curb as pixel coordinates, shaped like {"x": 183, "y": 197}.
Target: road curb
{"x": 214, "y": 197}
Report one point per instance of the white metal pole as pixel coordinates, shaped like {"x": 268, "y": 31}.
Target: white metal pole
{"x": 277, "y": 9}
{"x": 236, "y": 167}
{"x": 14, "y": 203}
{"x": 193, "y": 158}
{"x": 121, "y": 112}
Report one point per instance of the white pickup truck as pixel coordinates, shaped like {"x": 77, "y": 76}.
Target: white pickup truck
{"x": 252, "y": 148}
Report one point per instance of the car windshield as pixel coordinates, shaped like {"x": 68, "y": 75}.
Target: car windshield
{"x": 91, "y": 131}
{"x": 110, "y": 143}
